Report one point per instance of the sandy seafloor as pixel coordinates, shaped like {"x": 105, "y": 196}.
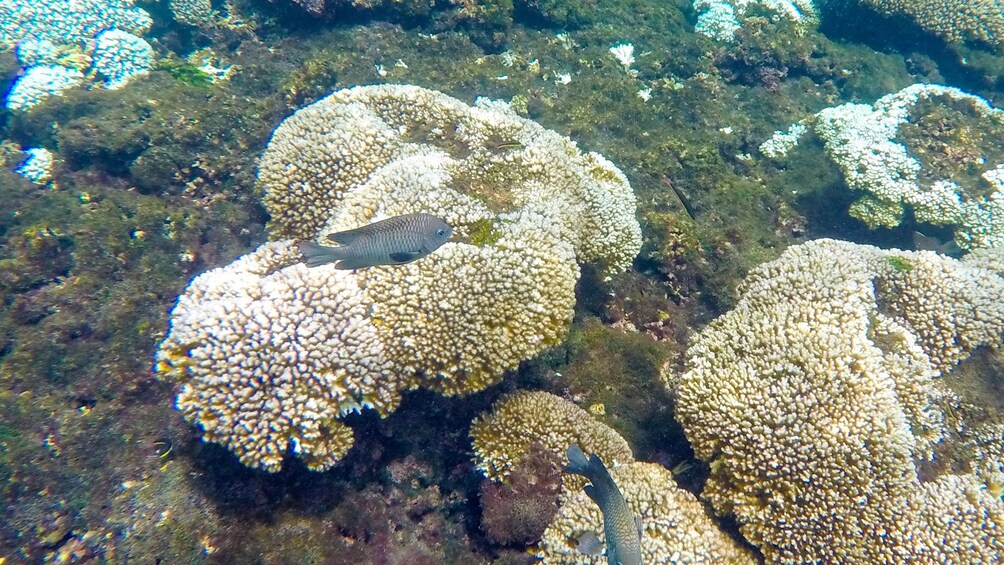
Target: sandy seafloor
{"x": 154, "y": 183}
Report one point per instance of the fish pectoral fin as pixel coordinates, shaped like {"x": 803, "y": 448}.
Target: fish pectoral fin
{"x": 589, "y": 544}
{"x": 638, "y": 524}
{"x": 352, "y": 264}
{"x": 405, "y": 256}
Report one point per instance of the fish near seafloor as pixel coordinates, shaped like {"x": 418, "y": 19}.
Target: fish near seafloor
{"x": 393, "y": 241}
{"x": 621, "y": 527}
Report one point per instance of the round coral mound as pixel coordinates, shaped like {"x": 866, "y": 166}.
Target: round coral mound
{"x": 817, "y": 397}
{"x": 270, "y": 354}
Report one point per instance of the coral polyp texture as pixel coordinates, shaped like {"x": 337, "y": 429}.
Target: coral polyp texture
{"x": 502, "y": 437}
{"x": 955, "y": 22}
{"x": 816, "y": 397}
{"x": 675, "y": 526}
{"x": 934, "y": 149}
{"x": 270, "y": 354}
{"x": 483, "y": 160}
{"x": 57, "y": 40}
{"x": 720, "y": 19}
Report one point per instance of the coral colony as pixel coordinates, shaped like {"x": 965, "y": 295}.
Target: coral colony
{"x": 343, "y": 341}
{"x": 784, "y": 348}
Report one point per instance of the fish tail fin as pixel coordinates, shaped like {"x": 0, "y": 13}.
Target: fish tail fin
{"x": 315, "y": 255}
{"x": 590, "y": 467}
{"x": 577, "y": 461}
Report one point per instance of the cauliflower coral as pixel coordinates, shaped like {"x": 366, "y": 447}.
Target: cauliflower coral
{"x": 270, "y": 354}
{"x": 675, "y": 526}
{"x": 954, "y": 21}
{"x": 935, "y": 149}
{"x": 503, "y": 436}
{"x": 815, "y": 398}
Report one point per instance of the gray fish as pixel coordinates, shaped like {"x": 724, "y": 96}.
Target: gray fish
{"x": 621, "y": 527}
{"x": 923, "y": 242}
{"x": 393, "y": 241}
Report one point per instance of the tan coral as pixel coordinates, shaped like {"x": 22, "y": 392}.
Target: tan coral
{"x": 952, "y": 20}
{"x": 502, "y": 437}
{"x": 481, "y": 311}
{"x": 675, "y": 526}
{"x": 814, "y": 396}
{"x": 271, "y": 354}
{"x": 352, "y": 139}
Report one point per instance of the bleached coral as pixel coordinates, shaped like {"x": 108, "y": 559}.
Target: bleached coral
{"x": 524, "y": 213}
{"x": 813, "y": 398}
{"x": 120, "y": 57}
{"x": 502, "y": 437}
{"x": 39, "y": 83}
{"x": 62, "y": 22}
{"x": 38, "y": 166}
{"x": 58, "y": 40}
{"x": 869, "y": 146}
{"x": 779, "y": 144}
{"x": 675, "y": 526}
{"x": 721, "y": 19}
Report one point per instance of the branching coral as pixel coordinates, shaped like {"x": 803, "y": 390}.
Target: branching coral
{"x": 815, "y": 396}
{"x": 503, "y": 437}
{"x": 675, "y": 526}
{"x": 271, "y": 353}
{"x": 918, "y": 147}
{"x": 956, "y": 22}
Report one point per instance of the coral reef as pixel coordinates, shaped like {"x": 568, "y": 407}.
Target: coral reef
{"x": 64, "y": 22}
{"x": 503, "y": 437}
{"x": 935, "y": 149}
{"x": 675, "y": 526}
{"x": 484, "y": 159}
{"x": 57, "y": 40}
{"x": 120, "y": 56}
{"x": 815, "y": 399}
{"x": 40, "y": 82}
{"x": 528, "y": 201}
{"x": 955, "y": 22}
{"x": 721, "y": 19}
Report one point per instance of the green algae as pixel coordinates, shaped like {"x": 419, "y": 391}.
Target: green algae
{"x": 185, "y": 72}
{"x": 954, "y": 140}
{"x": 94, "y": 277}
{"x": 899, "y": 264}
{"x": 483, "y": 233}
{"x": 617, "y": 375}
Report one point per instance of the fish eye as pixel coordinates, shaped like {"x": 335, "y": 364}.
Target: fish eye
{"x": 440, "y": 232}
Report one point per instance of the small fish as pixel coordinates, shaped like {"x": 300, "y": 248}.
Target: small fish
{"x": 683, "y": 198}
{"x": 393, "y": 241}
{"x": 621, "y": 527}
{"x": 922, "y": 242}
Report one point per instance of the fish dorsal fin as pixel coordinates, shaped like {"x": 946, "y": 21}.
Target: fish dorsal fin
{"x": 348, "y": 236}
